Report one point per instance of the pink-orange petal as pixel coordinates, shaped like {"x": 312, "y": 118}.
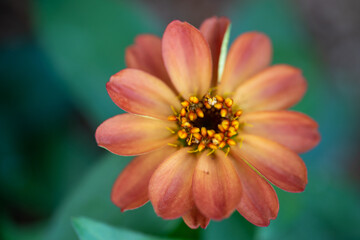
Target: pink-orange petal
{"x": 195, "y": 219}
{"x": 170, "y": 185}
{"x": 293, "y": 130}
{"x": 131, "y": 187}
{"x": 278, "y": 164}
{"x": 128, "y": 134}
{"x": 138, "y": 92}
{"x": 214, "y": 29}
{"x": 259, "y": 203}
{"x": 216, "y": 186}
{"x": 187, "y": 58}
{"x": 146, "y": 55}
{"x": 250, "y": 53}
{"x": 275, "y": 88}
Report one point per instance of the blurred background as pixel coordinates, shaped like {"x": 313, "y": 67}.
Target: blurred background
{"x": 55, "y": 58}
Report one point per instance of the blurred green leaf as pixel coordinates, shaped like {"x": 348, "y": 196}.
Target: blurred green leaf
{"x": 86, "y": 42}
{"x": 88, "y": 229}
{"x": 91, "y": 198}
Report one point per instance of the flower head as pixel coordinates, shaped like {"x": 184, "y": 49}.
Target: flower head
{"x": 210, "y": 129}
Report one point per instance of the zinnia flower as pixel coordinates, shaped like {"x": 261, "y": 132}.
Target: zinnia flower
{"x": 210, "y": 134}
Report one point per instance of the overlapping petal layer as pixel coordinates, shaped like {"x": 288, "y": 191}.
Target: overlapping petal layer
{"x": 275, "y": 88}
{"x": 294, "y": 130}
{"x": 170, "y": 186}
{"x": 259, "y": 203}
{"x": 128, "y": 134}
{"x": 146, "y": 55}
{"x": 131, "y": 187}
{"x": 194, "y": 218}
{"x": 187, "y": 58}
{"x": 278, "y": 164}
{"x": 250, "y": 53}
{"x": 138, "y": 92}
{"x": 214, "y": 29}
{"x": 216, "y": 185}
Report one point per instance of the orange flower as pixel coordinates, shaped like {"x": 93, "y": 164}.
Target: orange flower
{"x": 210, "y": 133}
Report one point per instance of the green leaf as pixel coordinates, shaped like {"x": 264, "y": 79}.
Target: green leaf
{"x": 91, "y": 198}
{"x": 88, "y": 229}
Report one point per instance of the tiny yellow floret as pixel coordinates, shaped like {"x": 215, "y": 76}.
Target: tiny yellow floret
{"x": 219, "y": 136}
{"x": 218, "y": 106}
{"x": 182, "y": 134}
{"x": 225, "y": 124}
{"x": 210, "y": 133}
{"x": 183, "y": 112}
{"x": 197, "y": 136}
{"x": 195, "y": 130}
{"x": 238, "y": 113}
{"x": 185, "y": 104}
{"x": 231, "y": 142}
{"x": 235, "y": 124}
{"x": 221, "y": 128}
{"x": 223, "y": 112}
{"x": 186, "y": 125}
{"x": 219, "y": 98}
{"x": 200, "y": 113}
{"x": 192, "y": 116}
{"x": 212, "y": 146}
{"x": 172, "y": 118}
{"x": 203, "y": 131}
{"x": 201, "y": 146}
{"x": 194, "y": 99}
{"x": 228, "y": 102}
{"x": 207, "y": 105}
{"x": 222, "y": 144}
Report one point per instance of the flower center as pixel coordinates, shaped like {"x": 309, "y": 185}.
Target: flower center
{"x": 208, "y": 123}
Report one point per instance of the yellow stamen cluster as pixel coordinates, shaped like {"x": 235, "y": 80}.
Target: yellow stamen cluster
{"x": 209, "y": 123}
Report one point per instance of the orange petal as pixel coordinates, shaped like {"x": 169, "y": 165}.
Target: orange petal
{"x": 170, "y": 185}
{"x": 138, "y": 92}
{"x": 194, "y": 219}
{"x": 259, "y": 203}
{"x": 131, "y": 187}
{"x": 250, "y": 53}
{"x": 216, "y": 186}
{"x": 278, "y": 164}
{"x": 294, "y": 130}
{"x": 146, "y": 55}
{"x": 128, "y": 134}
{"x": 187, "y": 58}
{"x": 214, "y": 29}
{"x": 276, "y": 88}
